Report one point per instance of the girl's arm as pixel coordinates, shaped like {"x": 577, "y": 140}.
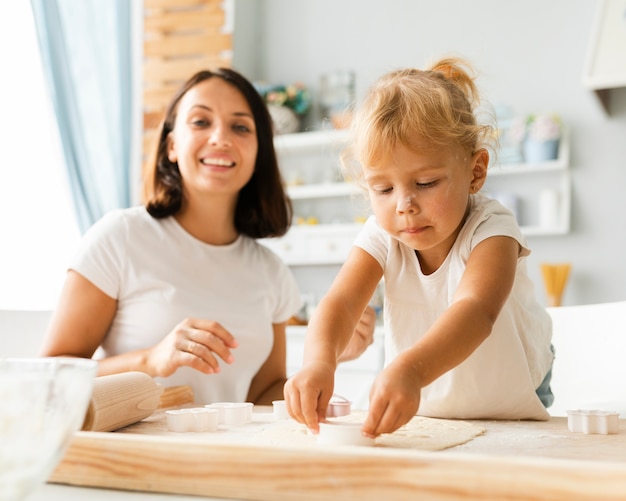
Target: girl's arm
{"x": 483, "y": 290}
{"x": 340, "y": 310}
{"x": 268, "y": 383}
{"x": 308, "y": 392}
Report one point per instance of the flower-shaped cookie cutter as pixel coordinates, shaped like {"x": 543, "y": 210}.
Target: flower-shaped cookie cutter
{"x": 233, "y": 413}
{"x": 593, "y": 421}
{"x": 194, "y": 419}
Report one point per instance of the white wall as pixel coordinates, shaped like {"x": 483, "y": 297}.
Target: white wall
{"x": 530, "y": 54}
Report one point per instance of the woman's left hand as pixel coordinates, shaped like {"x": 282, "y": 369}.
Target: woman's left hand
{"x": 362, "y": 337}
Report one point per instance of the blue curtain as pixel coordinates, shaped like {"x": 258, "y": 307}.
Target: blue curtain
{"x": 87, "y": 56}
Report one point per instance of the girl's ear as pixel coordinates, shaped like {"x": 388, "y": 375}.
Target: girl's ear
{"x": 480, "y": 163}
{"x": 171, "y": 151}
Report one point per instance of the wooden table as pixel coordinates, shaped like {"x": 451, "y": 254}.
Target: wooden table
{"x": 512, "y": 460}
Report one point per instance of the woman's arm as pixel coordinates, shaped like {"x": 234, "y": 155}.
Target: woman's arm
{"x": 268, "y": 383}
{"x": 84, "y": 316}
{"x": 80, "y": 321}
{"x": 362, "y": 337}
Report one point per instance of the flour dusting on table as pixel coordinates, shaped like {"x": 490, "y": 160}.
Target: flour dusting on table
{"x": 421, "y": 433}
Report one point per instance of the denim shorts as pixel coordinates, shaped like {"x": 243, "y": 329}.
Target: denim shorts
{"x": 544, "y": 392}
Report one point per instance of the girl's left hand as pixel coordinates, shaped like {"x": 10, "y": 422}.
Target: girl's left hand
{"x": 394, "y": 400}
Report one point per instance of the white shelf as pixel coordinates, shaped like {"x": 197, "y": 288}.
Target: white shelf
{"x": 300, "y": 231}
{"x": 312, "y": 141}
{"x": 340, "y": 189}
{"x": 321, "y": 190}
{"x": 523, "y": 169}
{"x": 513, "y": 169}
{"x": 536, "y": 231}
{"x": 315, "y": 244}
{"x": 314, "y": 156}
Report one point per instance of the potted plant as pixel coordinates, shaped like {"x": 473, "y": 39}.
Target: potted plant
{"x": 286, "y": 104}
{"x": 543, "y": 133}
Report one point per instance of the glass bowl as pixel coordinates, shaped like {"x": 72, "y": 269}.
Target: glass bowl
{"x": 43, "y": 402}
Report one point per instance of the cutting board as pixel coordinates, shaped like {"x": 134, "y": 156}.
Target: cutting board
{"x": 511, "y": 460}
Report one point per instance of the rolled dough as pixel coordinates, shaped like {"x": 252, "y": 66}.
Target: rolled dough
{"x": 420, "y": 433}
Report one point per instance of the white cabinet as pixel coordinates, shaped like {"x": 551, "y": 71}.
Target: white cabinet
{"x": 605, "y": 68}
{"x": 329, "y": 213}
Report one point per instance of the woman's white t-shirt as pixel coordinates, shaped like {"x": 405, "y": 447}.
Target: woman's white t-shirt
{"x": 160, "y": 274}
{"x": 500, "y": 377}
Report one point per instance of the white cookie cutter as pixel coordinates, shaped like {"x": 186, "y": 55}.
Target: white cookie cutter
{"x": 280, "y": 410}
{"x": 195, "y": 419}
{"x": 233, "y": 413}
{"x": 593, "y": 421}
{"x": 341, "y": 433}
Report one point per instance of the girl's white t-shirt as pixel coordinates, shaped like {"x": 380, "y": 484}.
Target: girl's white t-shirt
{"x": 160, "y": 274}
{"x": 499, "y": 378}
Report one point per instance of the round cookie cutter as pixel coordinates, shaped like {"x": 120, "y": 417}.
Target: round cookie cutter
{"x": 342, "y": 433}
{"x": 280, "y": 410}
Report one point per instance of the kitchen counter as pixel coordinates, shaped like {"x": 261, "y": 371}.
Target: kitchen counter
{"x": 519, "y": 460}
{"x": 52, "y": 492}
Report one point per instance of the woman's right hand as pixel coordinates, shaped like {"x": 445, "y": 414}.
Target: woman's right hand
{"x": 195, "y": 343}
{"x": 362, "y": 337}
{"x": 308, "y": 392}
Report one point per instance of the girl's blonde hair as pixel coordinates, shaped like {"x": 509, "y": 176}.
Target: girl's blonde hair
{"x": 437, "y": 105}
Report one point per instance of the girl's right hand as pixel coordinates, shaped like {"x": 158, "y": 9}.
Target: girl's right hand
{"x": 195, "y": 343}
{"x": 394, "y": 398}
{"x": 308, "y": 392}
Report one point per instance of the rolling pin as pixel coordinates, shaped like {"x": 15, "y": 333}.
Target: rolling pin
{"x": 121, "y": 399}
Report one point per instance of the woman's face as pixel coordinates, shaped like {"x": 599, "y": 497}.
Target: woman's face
{"x": 214, "y": 140}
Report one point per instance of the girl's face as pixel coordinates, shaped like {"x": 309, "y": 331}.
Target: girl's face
{"x": 420, "y": 197}
{"x": 214, "y": 139}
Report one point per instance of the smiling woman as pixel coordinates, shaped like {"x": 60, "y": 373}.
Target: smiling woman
{"x": 179, "y": 288}
{"x": 38, "y": 226}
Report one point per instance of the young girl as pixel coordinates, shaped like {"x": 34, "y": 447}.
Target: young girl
{"x": 464, "y": 335}
{"x": 179, "y": 288}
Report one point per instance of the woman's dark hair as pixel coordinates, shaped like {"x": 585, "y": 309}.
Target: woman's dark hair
{"x": 263, "y": 208}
